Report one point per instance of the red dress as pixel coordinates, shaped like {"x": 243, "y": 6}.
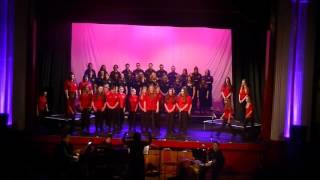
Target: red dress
{"x": 249, "y": 108}
{"x": 142, "y": 99}
{"x": 226, "y": 90}
{"x": 72, "y": 88}
{"x": 133, "y": 101}
{"x": 227, "y": 113}
{"x": 85, "y": 100}
{"x": 181, "y": 101}
{"x": 151, "y": 102}
{"x": 122, "y": 100}
{"x": 42, "y": 103}
{"x": 99, "y": 101}
{"x": 170, "y": 102}
{"x": 243, "y": 93}
{"x": 112, "y": 99}
{"x": 84, "y": 84}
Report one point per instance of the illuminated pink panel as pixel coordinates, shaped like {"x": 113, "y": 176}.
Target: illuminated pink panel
{"x": 184, "y": 47}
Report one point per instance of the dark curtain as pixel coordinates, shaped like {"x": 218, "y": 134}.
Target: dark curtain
{"x": 248, "y": 61}
{"x": 54, "y": 54}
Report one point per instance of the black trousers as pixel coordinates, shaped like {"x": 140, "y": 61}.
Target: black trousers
{"x": 99, "y": 116}
{"x": 120, "y": 118}
{"x": 132, "y": 120}
{"x": 85, "y": 119}
{"x": 112, "y": 120}
{"x": 151, "y": 120}
{"x": 170, "y": 119}
{"x": 143, "y": 120}
{"x": 243, "y": 111}
{"x": 183, "y": 117}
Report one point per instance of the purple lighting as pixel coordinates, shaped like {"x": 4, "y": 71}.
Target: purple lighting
{"x": 6, "y": 57}
{"x": 296, "y": 65}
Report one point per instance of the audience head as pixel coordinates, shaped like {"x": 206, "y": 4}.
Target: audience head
{"x": 136, "y": 137}
{"x": 215, "y": 145}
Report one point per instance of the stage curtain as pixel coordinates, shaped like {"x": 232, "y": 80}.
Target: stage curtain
{"x": 249, "y": 45}
{"x": 54, "y": 48}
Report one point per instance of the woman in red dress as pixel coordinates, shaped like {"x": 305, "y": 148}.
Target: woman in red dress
{"x": 42, "y": 108}
{"x": 249, "y": 113}
{"x": 122, "y": 106}
{"x": 143, "y": 108}
{"x": 243, "y": 93}
{"x": 227, "y": 113}
{"x": 71, "y": 92}
{"x": 184, "y": 105}
{"x": 152, "y": 107}
{"x": 226, "y": 90}
{"x": 85, "y": 107}
{"x": 112, "y": 107}
{"x": 170, "y": 106}
{"x": 85, "y": 83}
{"x": 133, "y": 107}
{"x": 99, "y": 105}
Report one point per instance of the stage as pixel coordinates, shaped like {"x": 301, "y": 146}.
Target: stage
{"x": 201, "y": 128}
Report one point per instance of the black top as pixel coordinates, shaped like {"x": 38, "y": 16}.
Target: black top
{"x": 218, "y": 157}
{"x": 148, "y": 72}
{"x": 161, "y": 73}
{"x": 127, "y": 73}
{"x": 172, "y": 77}
{"x": 209, "y": 81}
{"x": 87, "y": 73}
{"x": 196, "y": 78}
{"x": 137, "y": 71}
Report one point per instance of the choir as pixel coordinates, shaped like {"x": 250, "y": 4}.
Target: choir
{"x": 144, "y": 94}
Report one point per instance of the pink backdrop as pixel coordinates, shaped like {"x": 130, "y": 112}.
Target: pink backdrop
{"x": 184, "y": 47}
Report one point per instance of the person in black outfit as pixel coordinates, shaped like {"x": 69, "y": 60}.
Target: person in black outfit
{"x": 184, "y": 77}
{"x": 127, "y": 73}
{"x": 149, "y": 71}
{"x": 90, "y": 71}
{"x": 203, "y": 96}
{"x": 209, "y": 81}
{"x": 137, "y": 71}
{"x": 161, "y": 72}
{"x": 136, "y": 156}
{"x": 217, "y": 160}
{"x": 65, "y": 159}
{"x": 172, "y": 76}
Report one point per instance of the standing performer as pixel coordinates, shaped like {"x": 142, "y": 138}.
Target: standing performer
{"x": 177, "y": 86}
{"x": 184, "y": 106}
{"x": 249, "y": 113}
{"x": 160, "y": 101}
{"x": 243, "y": 93}
{"x": 227, "y": 113}
{"x": 133, "y": 107}
{"x": 71, "y": 92}
{"x": 226, "y": 90}
{"x": 172, "y": 76}
{"x": 203, "y": 94}
{"x": 161, "y": 72}
{"x": 121, "y": 107}
{"x": 152, "y": 105}
{"x": 104, "y": 69}
{"x": 191, "y": 89}
{"x": 137, "y": 71}
{"x": 143, "y": 109}
{"x": 153, "y": 79}
{"x": 127, "y": 73}
{"x": 85, "y": 83}
{"x": 99, "y": 106}
{"x": 149, "y": 71}
{"x": 112, "y": 105}
{"x": 196, "y": 78}
{"x": 184, "y": 77}
{"x": 85, "y": 108}
{"x": 90, "y": 72}
{"x": 164, "y": 85}
{"x": 100, "y": 80}
{"x": 170, "y": 106}
{"x": 209, "y": 81}
{"x": 115, "y": 75}
{"x": 42, "y": 108}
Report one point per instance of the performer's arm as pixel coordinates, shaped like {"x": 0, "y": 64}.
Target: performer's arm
{"x": 207, "y": 96}
{"x": 194, "y": 92}
{"x": 249, "y": 114}
{"x": 93, "y": 107}
{"x": 157, "y": 110}
{"x": 67, "y": 93}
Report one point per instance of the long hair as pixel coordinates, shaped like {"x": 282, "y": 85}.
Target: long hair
{"x": 225, "y": 84}
{"x": 171, "y": 98}
{"x": 184, "y": 97}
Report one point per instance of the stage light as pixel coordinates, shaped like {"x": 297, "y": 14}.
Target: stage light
{"x": 6, "y": 57}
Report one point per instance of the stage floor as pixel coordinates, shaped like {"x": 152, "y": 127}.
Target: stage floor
{"x": 201, "y": 128}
